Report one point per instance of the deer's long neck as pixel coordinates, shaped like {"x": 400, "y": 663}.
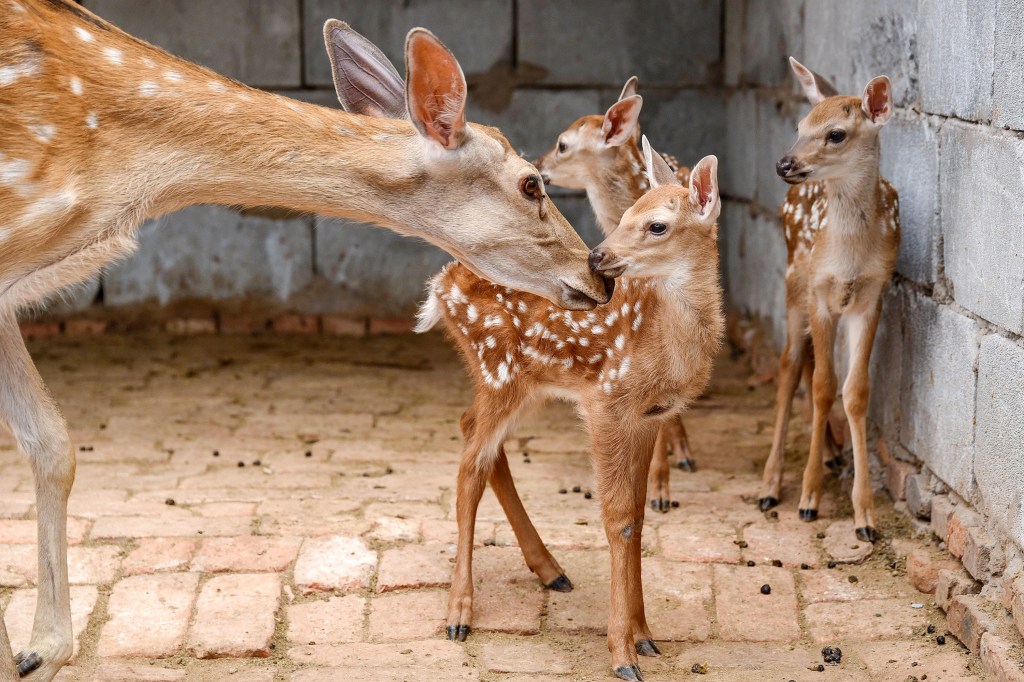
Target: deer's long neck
{"x": 616, "y": 186}
{"x": 853, "y": 199}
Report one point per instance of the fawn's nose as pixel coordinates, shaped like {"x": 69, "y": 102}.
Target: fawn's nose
{"x": 545, "y": 177}
{"x": 784, "y": 166}
{"x": 595, "y": 259}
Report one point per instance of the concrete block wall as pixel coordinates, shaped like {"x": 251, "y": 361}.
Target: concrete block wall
{"x": 525, "y": 77}
{"x": 948, "y": 362}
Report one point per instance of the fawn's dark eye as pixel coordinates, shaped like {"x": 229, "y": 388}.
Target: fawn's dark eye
{"x": 658, "y": 228}
{"x": 531, "y": 186}
{"x": 836, "y": 136}
{"x": 561, "y": 147}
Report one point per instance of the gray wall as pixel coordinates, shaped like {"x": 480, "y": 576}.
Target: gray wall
{"x": 948, "y": 363}
{"x": 544, "y": 64}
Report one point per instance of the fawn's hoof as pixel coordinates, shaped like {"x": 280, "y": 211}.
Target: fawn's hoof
{"x": 687, "y": 464}
{"x": 661, "y": 504}
{"x": 867, "y": 534}
{"x": 27, "y": 662}
{"x": 808, "y": 515}
{"x": 560, "y": 584}
{"x": 647, "y": 647}
{"x": 766, "y": 503}
{"x": 629, "y": 672}
{"x": 458, "y": 633}
{"x": 835, "y": 465}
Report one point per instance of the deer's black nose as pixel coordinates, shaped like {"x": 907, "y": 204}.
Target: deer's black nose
{"x": 784, "y": 166}
{"x": 595, "y": 259}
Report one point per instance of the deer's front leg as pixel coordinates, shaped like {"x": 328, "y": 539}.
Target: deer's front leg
{"x": 473, "y": 473}
{"x": 681, "y": 445}
{"x": 823, "y": 388}
{"x": 791, "y": 364}
{"x": 657, "y": 480}
{"x": 41, "y": 434}
{"x": 856, "y": 393}
{"x": 8, "y": 671}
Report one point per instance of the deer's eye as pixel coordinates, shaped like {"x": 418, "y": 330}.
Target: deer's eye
{"x": 531, "y": 187}
{"x": 561, "y": 147}
{"x": 658, "y": 228}
{"x": 836, "y": 136}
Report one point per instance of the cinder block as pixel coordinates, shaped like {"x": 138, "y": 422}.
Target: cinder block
{"x": 689, "y": 124}
{"x": 479, "y": 33}
{"x": 852, "y": 42}
{"x": 910, "y": 161}
{"x": 1008, "y": 85}
{"x": 999, "y": 447}
{"x": 919, "y": 496}
{"x": 211, "y": 253}
{"x": 664, "y": 42}
{"x": 887, "y": 365}
{"x": 770, "y": 32}
{"x": 940, "y": 352}
{"x": 955, "y": 44}
{"x": 738, "y": 163}
{"x": 575, "y": 207}
{"x": 372, "y": 271}
{"x": 982, "y": 222}
{"x": 254, "y": 41}
{"x": 776, "y": 133}
{"x": 732, "y": 49}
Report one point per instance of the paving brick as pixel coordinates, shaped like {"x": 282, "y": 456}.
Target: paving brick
{"x": 923, "y": 568}
{"x": 95, "y": 565}
{"x": 1001, "y": 659}
{"x": 295, "y": 324}
{"x": 340, "y": 325}
{"x": 982, "y": 554}
{"x": 334, "y": 563}
{"x": 744, "y": 614}
{"x": 707, "y": 542}
{"x": 900, "y": 660}
{"x": 402, "y": 616}
{"x": 415, "y": 566}
{"x": 860, "y": 620}
{"x": 191, "y": 325}
{"x": 960, "y": 522}
{"x": 20, "y": 612}
{"x": 942, "y": 510}
{"x": 678, "y": 600}
{"x": 246, "y": 553}
{"x": 833, "y": 585}
{"x": 335, "y": 621}
{"x": 392, "y": 661}
{"x": 159, "y": 555}
{"x": 507, "y": 597}
{"x": 956, "y": 59}
{"x": 791, "y": 542}
{"x": 235, "y": 616}
{"x": 116, "y": 527}
{"x": 841, "y": 543}
{"x": 525, "y": 657}
{"x": 23, "y": 531}
{"x": 162, "y": 601}
{"x": 120, "y": 671}
{"x": 951, "y": 584}
{"x": 968, "y": 619}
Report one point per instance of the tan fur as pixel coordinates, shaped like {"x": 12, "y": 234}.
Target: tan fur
{"x": 841, "y": 223}
{"x": 613, "y": 177}
{"x": 519, "y": 351}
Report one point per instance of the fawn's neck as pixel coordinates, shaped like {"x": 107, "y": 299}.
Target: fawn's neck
{"x": 617, "y": 185}
{"x": 854, "y": 199}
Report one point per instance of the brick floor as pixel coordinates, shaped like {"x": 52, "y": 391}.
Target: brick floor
{"x": 296, "y": 568}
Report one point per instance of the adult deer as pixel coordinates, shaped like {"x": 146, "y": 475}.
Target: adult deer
{"x": 841, "y": 223}
{"x": 601, "y": 155}
{"x": 612, "y": 361}
{"x": 100, "y": 131}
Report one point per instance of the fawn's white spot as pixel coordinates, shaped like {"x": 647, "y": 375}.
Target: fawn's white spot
{"x": 76, "y": 85}
{"x": 472, "y": 313}
{"x": 148, "y": 63}
{"x": 637, "y": 321}
{"x": 216, "y": 86}
{"x": 43, "y": 132}
{"x": 172, "y": 76}
{"x": 83, "y": 35}
{"x": 492, "y": 321}
{"x": 92, "y": 122}
{"x": 59, "y": 202}
{"x": 15, "y": 72}
{"x": 13, "y": 171}
{"x": 113, "y": 55}
{"x": 620, "y": 341}
{"x": 148, "y": 88}
{"x": 610, "y": 320}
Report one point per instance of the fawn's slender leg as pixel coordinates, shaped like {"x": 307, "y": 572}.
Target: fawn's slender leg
{"x": 8, "y": 671}
{"x": 537, "y": 556}
{"x": 657, "y": 480}
{"x": 681, "y": 444}
{"x": 40, "y": 431}
{"x": 832, "y": 453}
{"x": 823, "y": 335}
{"x": 856, "y": 389}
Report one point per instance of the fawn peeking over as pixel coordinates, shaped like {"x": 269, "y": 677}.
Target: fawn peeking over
{"x": 612, "y": 361}
{"x": 601, "y": 154}
{"x": 841, "y": 223}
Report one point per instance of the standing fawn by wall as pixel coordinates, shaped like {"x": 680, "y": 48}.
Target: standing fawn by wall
{"x": 612, "y": 361}
{"x": 100, "y": 131}
{"x": 841, "y": 223}
{"x": 600, "y": 154}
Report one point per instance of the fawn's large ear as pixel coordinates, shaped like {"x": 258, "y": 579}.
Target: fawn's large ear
{"x": 658, "y": 171}
{"x": 435, "y": 90}
{"x": 630, "y": 88}
{"x": 877, "y": 100}
{"x": 815, "y": 86}
{"x": 620, "y": 120}
{"x": 366, "y": 82}
{"x": 704, "y": 189}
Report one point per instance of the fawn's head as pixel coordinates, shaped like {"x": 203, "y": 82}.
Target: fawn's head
{"x": 473, "y": 195}
{"x": 840, "y": 134}
{"x": 591, "y": 143}
{"x": 668, "y": 231}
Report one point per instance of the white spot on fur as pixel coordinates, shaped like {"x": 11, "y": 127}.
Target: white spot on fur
{"x": 15, "y": 72}
{"x": 148, "y": 88}
{"x": 43, "y": 132}
{"x": 83, "y": 34}
{"x": 113, "y": 55}
{"x": 76, "y": 85}
{"x": 13, "y": 171}
{"x": 216, "y": 86}
{"x": 92, "y": 122}
{"x": 472, "y": 313}
{"x": 173, "y": 76}
{"x": 620, "y": 341}
{"x": 610, "y": 320}
{"x": 148, "y": 63}
{"x": 637, "y": 320}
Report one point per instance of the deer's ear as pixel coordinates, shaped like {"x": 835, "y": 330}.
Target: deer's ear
{"x": 435, "y": 89}
{"x": 620, "y": 120}
{"x": 366, "y": 82}
{"x": 704, "y": 189}
{"x": 658, "y": 171}
{"x": 815, "y": 86}
{"x": 630, "y": 88}
{"x": 877, "y": 100}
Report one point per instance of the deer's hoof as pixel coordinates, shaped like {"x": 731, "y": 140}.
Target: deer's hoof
{"x": 808, "y": 515}
{"x": 27, "y": 662}
{"x": 766, "y": 503}
{"x": 661, "y": 504}
{"x": 560, "y": 584}
{"x": 835, "y": 465}
{"x": 629, "y": 672}
{"x": 867, "y": 534}
{"x": 647, "y": 647}
{"x": 458, "y": 633}
{"x": 687, "y": 464}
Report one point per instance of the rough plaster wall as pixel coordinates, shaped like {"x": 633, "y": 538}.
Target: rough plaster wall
{"x": 948, "y": 362}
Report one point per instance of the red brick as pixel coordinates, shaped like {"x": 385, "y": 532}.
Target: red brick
{"x": 678, "y": 599}
{"x": 122, "y": 671}
{"x": 162, "y": 602}
{"x": 507, "y": 597}
{"x": 243, "y": 324}
{"x": 336, "y": 621}
{"x": 23, "y": 531}
{"x": 84, "y": 327}
{"x": 791, "y": 542}
{"x": 158, "y": 555}
{"x": 968, "y": 619}
{"x": 401, "y": 616}
{"x": 842, "y": 545}
{"x": 116, "y": 527}
{"x": 415, "y": 566}
{"x": 923, "y": 569}
{"x": 216, "y": 510}
{"x": 339, "y": 325}
{"x": 699, "y": 542}
{"x": 95, "y": 565}
{"x": 251, "y": 553}
{"x": 40, "y": 330}
{"x": 20, "y": 611}
{"x": 859, "y": 620}
{"x": 433, "y": 659}
{"x": 832, "y": 585}
{"x": 901, "y": 660}
{"x": 235, "y": 616}
{"x": 744, "y": 614}
{"x": 296, "y": 324}
{"x": 960, "y": 522}
{"x": 524, "y": 656}
{"x": 189, "y": 326}
{"x": 391, "y": 325}
{"x": 334, "y": 562}
{"x": 950, "y": 584}
{"x": 942, "y": 510}
{"x": 896, "y": 474}
{"x": 982, "y": 555}
{"x": 1001, "y": 659}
